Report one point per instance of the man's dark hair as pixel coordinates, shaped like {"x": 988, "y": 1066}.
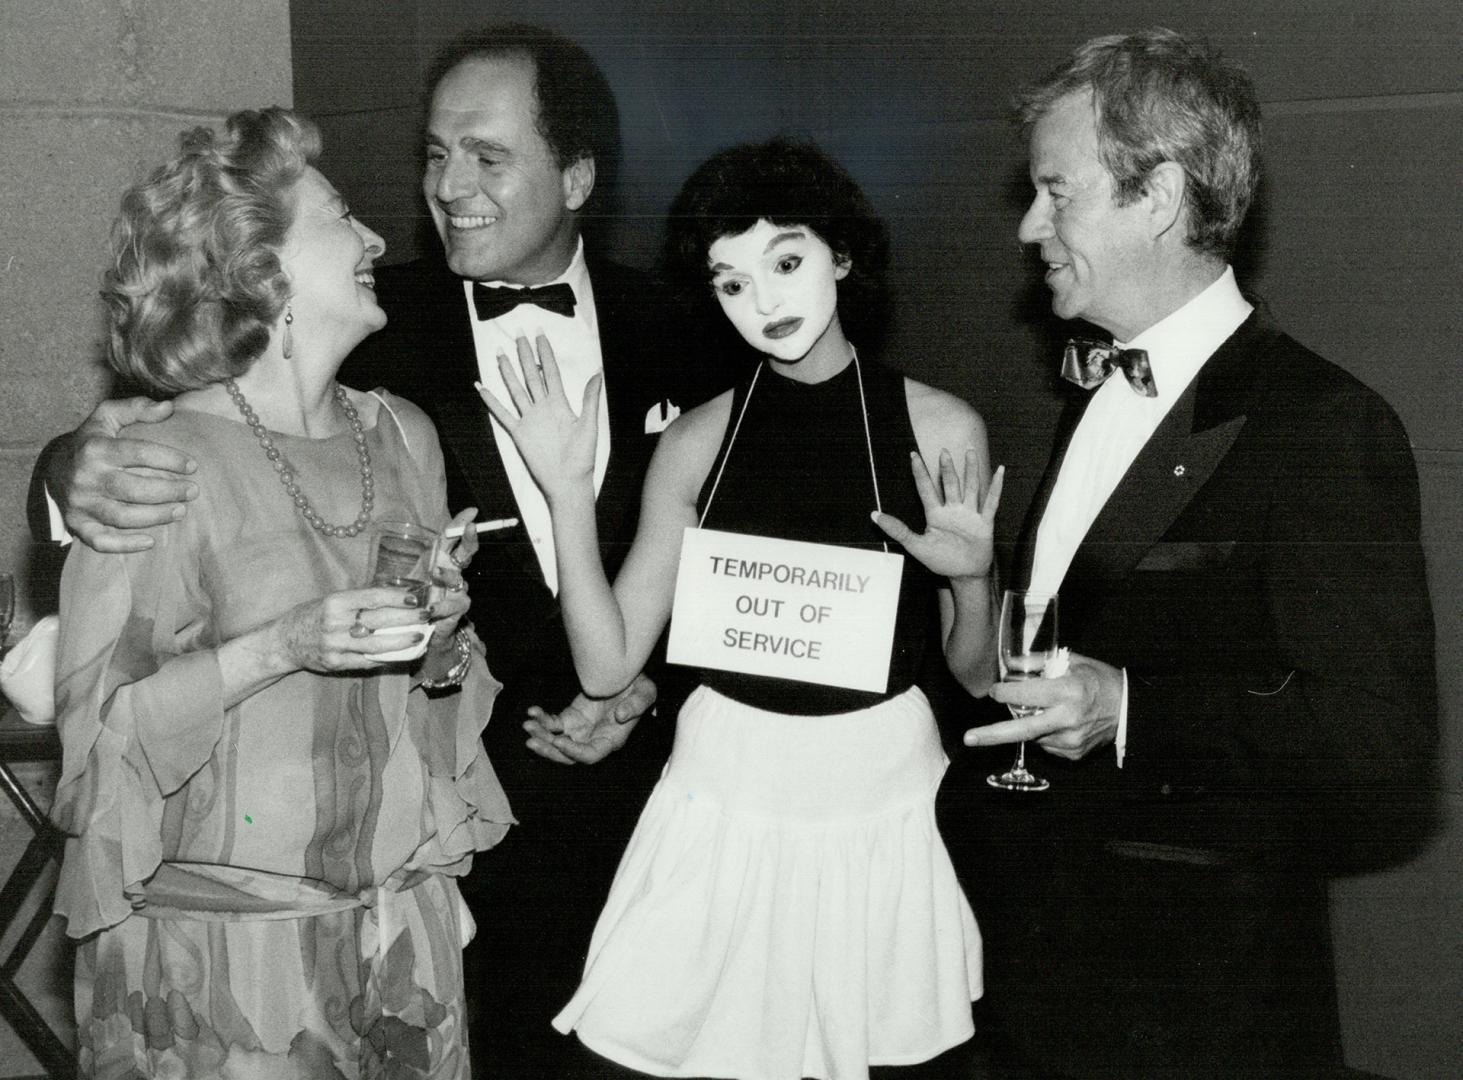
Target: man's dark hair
{"x": 577, "y": 115}
{"x": 788, "y": 183}
{"x": 1159, "y": 95}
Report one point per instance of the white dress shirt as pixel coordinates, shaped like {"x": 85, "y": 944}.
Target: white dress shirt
{"x": 1118, "y": 423}
{"x": 575, "y": 340}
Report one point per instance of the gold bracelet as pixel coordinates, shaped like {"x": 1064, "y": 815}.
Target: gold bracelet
{"x": 458, "y": 671}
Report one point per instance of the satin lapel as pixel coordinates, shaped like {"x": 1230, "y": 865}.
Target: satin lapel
{"x": 1169, "y": 470}
{"x": 1026, "y": 542}
{"x": 616, "y": 350}
{"x": 620, "y": 303}
{"x": 474, "y": 466}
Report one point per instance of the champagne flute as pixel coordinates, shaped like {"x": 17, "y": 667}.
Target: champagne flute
{"x": 1027, "y": 642}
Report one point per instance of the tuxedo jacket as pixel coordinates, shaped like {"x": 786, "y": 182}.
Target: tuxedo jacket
{"x": 426, "y": 354}
{"x": 1258, "y": 574}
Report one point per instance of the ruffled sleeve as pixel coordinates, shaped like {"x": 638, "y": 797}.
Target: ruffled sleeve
{"x": 467, "y": 805}
{"x": 139, "y": 708}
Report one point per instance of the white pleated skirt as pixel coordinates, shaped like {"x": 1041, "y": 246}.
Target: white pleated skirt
{"x": 785, "y": 907}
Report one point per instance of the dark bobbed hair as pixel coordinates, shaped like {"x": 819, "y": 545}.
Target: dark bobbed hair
{"x": 577, "y": 115}
{"x": 195, "y": 283}
{"x": 786, "y": 182}
{"x": 1159, "y": 95}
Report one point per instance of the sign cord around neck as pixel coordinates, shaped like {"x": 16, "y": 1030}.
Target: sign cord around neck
{"x": 736, "y": 429}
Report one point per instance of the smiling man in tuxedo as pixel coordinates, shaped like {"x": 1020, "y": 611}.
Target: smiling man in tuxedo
{"x": 1232, "y": 525}
{"x": 520, "y": 122}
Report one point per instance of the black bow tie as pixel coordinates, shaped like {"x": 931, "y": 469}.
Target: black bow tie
{"x": 492, "y": 301}
{"x": 1088, "y": 364}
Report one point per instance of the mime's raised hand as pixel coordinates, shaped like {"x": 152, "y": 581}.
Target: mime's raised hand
{"x": 556, "y": 445}
{"x": 959, "y": 526}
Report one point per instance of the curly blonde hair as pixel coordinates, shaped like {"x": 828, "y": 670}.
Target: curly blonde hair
{"x": 195, "y": 283}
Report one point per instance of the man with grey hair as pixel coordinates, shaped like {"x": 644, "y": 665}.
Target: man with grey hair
{"x": 1232, "y": 525}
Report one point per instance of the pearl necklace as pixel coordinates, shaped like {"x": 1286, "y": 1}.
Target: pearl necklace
{"x": 287, "y": 476}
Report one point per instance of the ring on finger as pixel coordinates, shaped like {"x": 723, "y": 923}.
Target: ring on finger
{"x": 458, "y": 562}
{"x": 454, "y": 586}
{"x": 359, "y": 629}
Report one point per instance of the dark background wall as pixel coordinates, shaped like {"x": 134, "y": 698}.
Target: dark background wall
{"x": 1356, "y": 243}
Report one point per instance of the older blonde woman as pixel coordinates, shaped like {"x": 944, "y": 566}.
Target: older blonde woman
{"x": 266, "y": 817}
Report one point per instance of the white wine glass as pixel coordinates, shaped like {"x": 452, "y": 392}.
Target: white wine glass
{"x": 1026, "y": 641}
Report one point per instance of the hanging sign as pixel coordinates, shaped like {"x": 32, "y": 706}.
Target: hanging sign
{"x": 818, "y": 613}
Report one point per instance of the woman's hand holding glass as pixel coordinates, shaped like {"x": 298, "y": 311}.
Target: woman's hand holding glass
{"x": 556, "y": 445}
{"x": 324, "y": 635}
{"x": 366, "y": 628}
{"x": 959, "y": 526}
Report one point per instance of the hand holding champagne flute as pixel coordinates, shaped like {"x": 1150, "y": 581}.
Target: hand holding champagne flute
{"x": 1027, "y": 642}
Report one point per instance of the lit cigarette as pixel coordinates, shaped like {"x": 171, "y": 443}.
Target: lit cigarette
{"x": 454, "y": 531}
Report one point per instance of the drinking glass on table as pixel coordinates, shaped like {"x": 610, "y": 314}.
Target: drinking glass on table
{"x": 7, "y": 607}
{"x": 1027, "y": 642}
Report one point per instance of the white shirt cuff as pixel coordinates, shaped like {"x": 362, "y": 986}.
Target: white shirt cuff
{"x": 59, "y": 532}
{"x": 1120, "y": 743}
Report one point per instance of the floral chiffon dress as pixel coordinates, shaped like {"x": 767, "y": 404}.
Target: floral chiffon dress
{"x": 266, "y": 889}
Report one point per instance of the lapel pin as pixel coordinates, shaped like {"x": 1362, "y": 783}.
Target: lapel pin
{"x": 1179, "y": 470}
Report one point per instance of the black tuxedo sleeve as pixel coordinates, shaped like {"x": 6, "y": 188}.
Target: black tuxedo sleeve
{"x": 1313, "y": 723}
{"x": 52, "y": 455}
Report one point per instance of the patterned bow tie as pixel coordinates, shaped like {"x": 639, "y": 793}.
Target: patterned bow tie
{"x": 492, "y": 301}
{"x": 1088, "y": 364}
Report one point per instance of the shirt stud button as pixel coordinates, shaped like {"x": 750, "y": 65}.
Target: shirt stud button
{"x": 1179, "y": 470}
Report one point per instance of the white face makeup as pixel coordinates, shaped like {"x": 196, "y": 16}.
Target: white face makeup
{"x": 778, "y": 284}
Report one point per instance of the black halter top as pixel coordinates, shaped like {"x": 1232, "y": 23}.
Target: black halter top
{"x": 798, "y": 469}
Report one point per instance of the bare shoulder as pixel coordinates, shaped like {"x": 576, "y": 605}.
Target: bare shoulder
{"x": 697, "y": 431}
{"x": 687, "y": 448}
{"x": 943, "y": 421}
